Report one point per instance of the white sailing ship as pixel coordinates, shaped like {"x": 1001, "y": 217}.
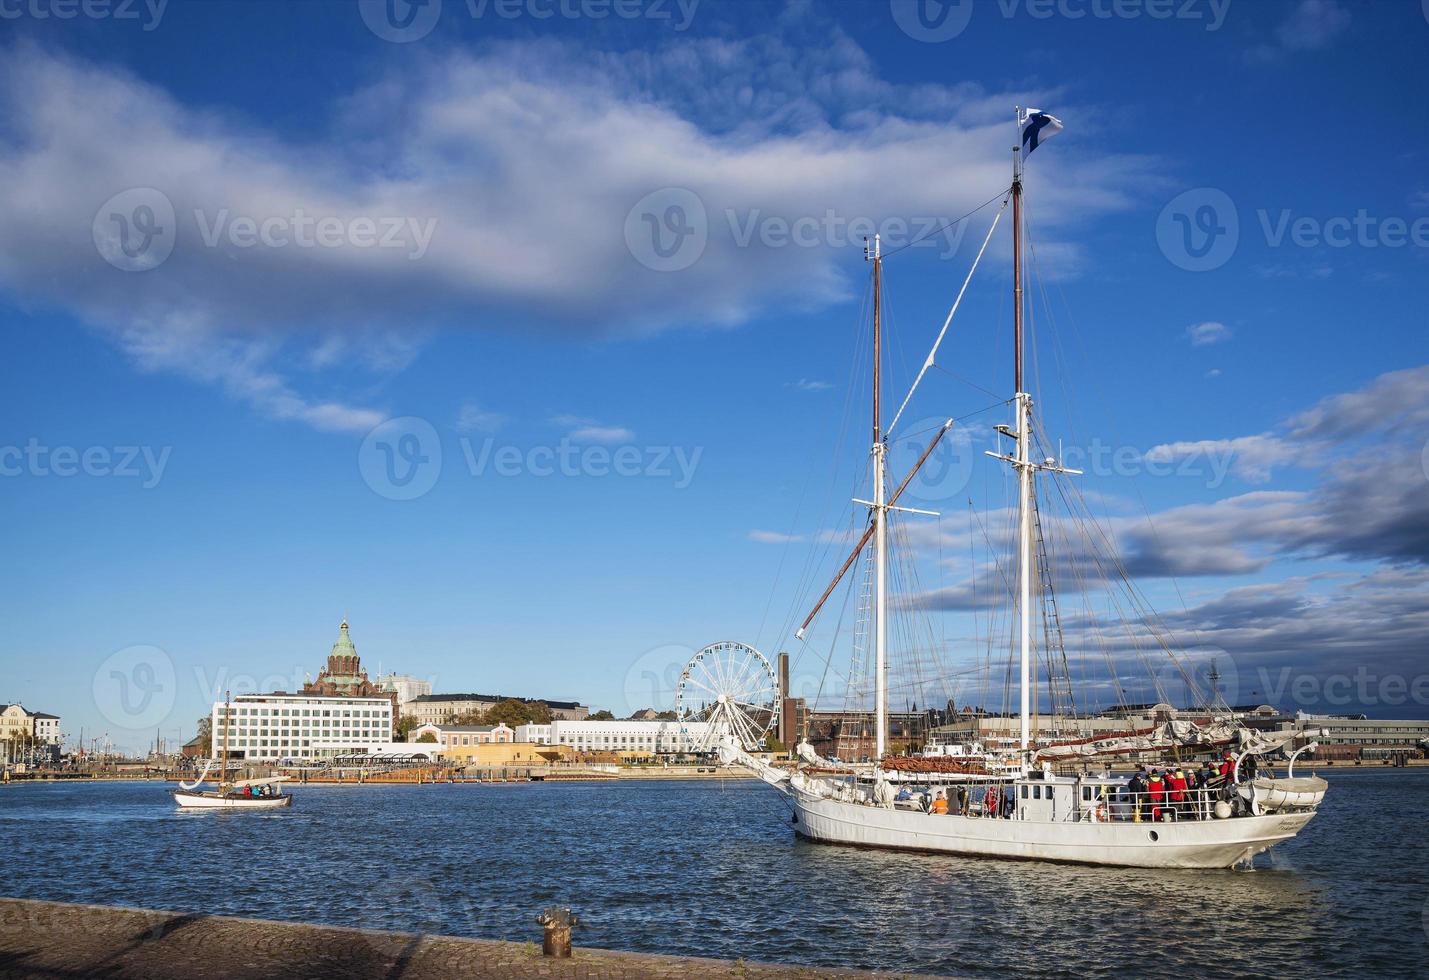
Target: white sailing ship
{"x": 1041, "y": 799}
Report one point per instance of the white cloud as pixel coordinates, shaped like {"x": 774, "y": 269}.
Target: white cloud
{"x": 473, "y": 418}
{"x": 807, "y": 384}
{"x": 479, "y": 149}
{"x": 601, "y": 433}
{"x": 774, "y": 537}
{"x": 1210, "y": 332}
{"x": 1312, "y": 26}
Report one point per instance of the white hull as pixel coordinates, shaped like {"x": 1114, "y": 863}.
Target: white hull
{"x": 212, "y": 801}
{"x": 1183, "y": 844}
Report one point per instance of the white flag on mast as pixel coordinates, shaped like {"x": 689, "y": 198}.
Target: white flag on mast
{"x": 1037, "y": 126}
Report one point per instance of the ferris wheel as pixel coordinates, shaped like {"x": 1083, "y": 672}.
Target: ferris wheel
{"x": 727, "y": 688}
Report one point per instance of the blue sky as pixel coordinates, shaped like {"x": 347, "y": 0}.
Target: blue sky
{"x": 489, "y": 283}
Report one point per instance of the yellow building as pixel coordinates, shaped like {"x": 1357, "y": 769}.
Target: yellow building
{"x": 507, "y": 754}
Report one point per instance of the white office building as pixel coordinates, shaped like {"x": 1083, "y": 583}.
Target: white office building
{"x": 407, "y": 687}
{"x": 656, "y": 737}
{"x": 269, "y": 727}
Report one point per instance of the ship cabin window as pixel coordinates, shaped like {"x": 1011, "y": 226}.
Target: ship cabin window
{"x": 1024, "y": 792}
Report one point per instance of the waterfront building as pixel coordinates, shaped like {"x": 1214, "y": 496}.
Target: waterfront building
{"x": 652, "y": 737}
{"x": 47, "y": 728}
{"x": 445, "y": 709}
{"x": 269, "y": 727}
{"x": 1356, "y": 737}
{"x": 457, "y": 736}
{"x": 406, "y": 687}
{"x": 507, "y": 754}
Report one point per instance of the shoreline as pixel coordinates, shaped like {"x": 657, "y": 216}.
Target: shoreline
{"x": 39, "y": 938}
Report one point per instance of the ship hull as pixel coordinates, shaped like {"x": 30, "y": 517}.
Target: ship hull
{"x": 211, "y": 801}
{"x": 1200, "y": 844}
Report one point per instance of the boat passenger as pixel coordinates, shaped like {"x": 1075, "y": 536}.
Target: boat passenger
{"x": 961, "y": 799}
{"x": 940, "y": 802}
{"x": 989, "y": 802}
{"x": 1137, "y": 789}
{"x": 1228, "y": 768}
{"x": 1155, "y": 792}
{"x": 1176, "y": 787}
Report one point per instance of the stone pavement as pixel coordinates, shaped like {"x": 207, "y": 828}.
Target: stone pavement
{"x": 52, "y": 939}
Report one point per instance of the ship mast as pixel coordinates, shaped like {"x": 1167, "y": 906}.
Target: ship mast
{"x": 1024, "y": 461}
{"x": 880, "y": 521}
{"x": 227, "y": 722}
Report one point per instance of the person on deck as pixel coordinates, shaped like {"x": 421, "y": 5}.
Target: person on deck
{"x": 1155, "y": 792}
{"x": 940, "y": 802}
{"x": 1137, "y": 788}
{"x": 960, "y": 799}
{"x": 989, "y": 802}
{"x": 1176, "y": 787}
{"x": 1228, "y": 768}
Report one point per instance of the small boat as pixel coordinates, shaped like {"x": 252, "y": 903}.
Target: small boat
{"x": 231, "y": 796}
{"x": 243, "y": 794}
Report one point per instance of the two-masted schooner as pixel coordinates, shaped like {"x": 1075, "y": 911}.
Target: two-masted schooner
{"x": 1039, "y": 798}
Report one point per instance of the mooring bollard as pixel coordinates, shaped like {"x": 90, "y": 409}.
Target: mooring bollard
{"x": 558, "y": 923}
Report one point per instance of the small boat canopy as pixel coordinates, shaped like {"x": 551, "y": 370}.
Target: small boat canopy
{"x": 260, "y": 782}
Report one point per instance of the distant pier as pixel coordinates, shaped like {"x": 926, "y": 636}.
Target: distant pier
{"x": 53, "y": 939}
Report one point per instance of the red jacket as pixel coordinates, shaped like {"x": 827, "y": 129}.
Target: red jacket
{"x": 1156, "y": 789}
{"x": 1177, "y": 785}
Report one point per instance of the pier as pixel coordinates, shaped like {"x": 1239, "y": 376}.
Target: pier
{"x": 59, "y": 940}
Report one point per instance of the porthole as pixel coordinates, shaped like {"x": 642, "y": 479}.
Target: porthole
{"x": 1155, "y": 836}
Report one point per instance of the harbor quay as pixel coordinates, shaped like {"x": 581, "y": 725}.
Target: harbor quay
{"x": 56, "y": 939}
